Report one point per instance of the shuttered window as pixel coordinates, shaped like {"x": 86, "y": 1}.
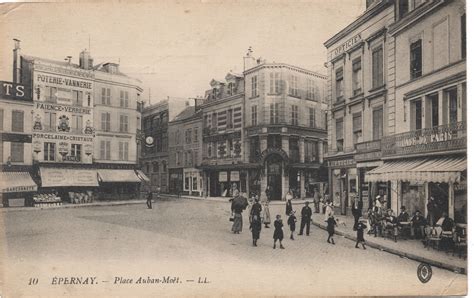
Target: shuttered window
{"x": 377, "y": 67}
{"x": 377, "y": 122}
{"x": 17, "y": 121}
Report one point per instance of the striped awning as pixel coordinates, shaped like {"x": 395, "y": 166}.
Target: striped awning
{"x": 142, "y": 176}
{"x": 16, "y": 182}
{"x": 118, "y": 176}
{"x": 441, "y": 169}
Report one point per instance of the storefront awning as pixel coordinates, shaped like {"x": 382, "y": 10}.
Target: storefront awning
{"x": 16, "y": 182}
{"x": 118, "y": 176}
{"x": 142, "y": 176}
{"x": 441, "y": 169}
{"x": 57, "y": 177}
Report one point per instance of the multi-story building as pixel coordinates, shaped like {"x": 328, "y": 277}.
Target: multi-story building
{"x": 361, "y": 103}
{"x": 117, "y": 125}
{"x": 425, "y": 155}
{"x": 16, "y": 112}
{"x": 223, "y": 163}
{"x": 185, "y": 152}
{"x": 154, "y": 157}
{"x": 285, "y": 129}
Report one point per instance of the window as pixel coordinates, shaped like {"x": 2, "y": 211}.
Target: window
{"x": 254, "y": 86}
{"x": 195, "y": 158}
{"x": 105, "y": 150}
{"x": 77, "y": 98}
{"x": 49, "y": 151}
{"x": 357, "y": 128}
{"x": 310, "y": 151}
{"x": 76, "y": 123}
{"x": 17, "y": 152}
{"x": 294, "y": 115}
{"x": 231, "y": 90}
{"x": 312, "y": 117}
{"x": 123, "y": 150}
{"x": 51, "y": 94}
{"x": 196, "y": 135}
{"x": 339, "y": 84}
{"x": 274, "y": 107}
{"x": 177, "y": 137}
{"x": 105, "y": 121}
{"x": 416, "y": 59}
{"x": 230, "y": 147}
{"x": 215, "y": 93}
{"x": 186, "y": 182}
{"x": 434, "y": 105}
{"x": 76, "y": 150}
{"x": 105, "y": 98}
{"x": 294, "y": 85}
{"x": 1, "y": 119}
{"x": 416, "y": 114}
{"x": 311, "y": 89}
{"x": 453, "y": 105}
{"x": 340, "y": 134}
{"x": 356, "y": 76}
{"x": 254, "y": 115}
{"x": 123, "y": 123}
{"x": 156, "y": 167}
{"x": 275, "y": 83}
{"x": 377, "y": 67}
{"x": 123, "y": 99}
{"x": 230, "y": 123}
{"x": 188, "y": 136}
{"x": 17, "y": 121}
{"x": 49, "y": 121}
{"x": 195, "y": 183}
{"x": 377, "y": 123}
{"x": 403, "y": 8}
{"x": 214, "y": 120}
{"x": 209, "y": 150}
{"x": 463, "y": 36}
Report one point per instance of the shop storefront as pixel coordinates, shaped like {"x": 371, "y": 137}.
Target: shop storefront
{"x": 176, "y": 181}
{"x": 192, "y": 182}
{"x": 118, "y": 184}
{"x": 343, "y": 178}
{"x": 16, "y": 189}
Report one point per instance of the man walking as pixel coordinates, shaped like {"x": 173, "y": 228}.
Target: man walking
{"x": 356, "y": 211}
{"x": 149, "y": 198}
{"x": 306, "y": 213}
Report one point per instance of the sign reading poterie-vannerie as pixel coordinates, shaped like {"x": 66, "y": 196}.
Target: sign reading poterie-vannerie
{"x": 56, "y": 80}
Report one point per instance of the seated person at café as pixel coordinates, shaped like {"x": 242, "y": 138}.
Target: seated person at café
{"x": 418, "y": 222}
{"x": 391, "y": 222}
{"x": 374, "y": 222}
{"x": 447, "y": 224}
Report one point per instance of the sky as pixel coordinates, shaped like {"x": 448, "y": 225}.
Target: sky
{"x": 176, "y": 47}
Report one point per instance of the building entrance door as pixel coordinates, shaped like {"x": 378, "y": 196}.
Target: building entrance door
{"x": 274, "y": 172}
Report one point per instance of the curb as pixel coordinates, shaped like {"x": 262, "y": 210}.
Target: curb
{"x": 105, "y": 204}
{"x": 456, "y": 269}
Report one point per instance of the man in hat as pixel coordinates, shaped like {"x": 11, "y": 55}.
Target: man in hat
{"x": 356, "y": 211}
{"x": 403, "y": 216}
{"x": 418, "y": 223}
{"x": 306, "y": 213}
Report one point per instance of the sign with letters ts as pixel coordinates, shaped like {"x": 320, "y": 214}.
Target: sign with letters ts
{"x": 10, "y": 90}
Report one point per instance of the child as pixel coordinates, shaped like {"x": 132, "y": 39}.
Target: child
{"x": 266, "y": 215}
{"x": 360, "y": 233}
{"x": 292, "y": 223}
{"x": 330, "y": 228}
{"x": 256, "y": 227}
{"x": 278, "y": 234}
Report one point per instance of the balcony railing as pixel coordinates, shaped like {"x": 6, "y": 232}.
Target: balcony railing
{"x": 368, "y": 146}
{"x": 435, "y": 139}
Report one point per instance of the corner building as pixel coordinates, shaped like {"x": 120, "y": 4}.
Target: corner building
{"x": 285, "y": 129}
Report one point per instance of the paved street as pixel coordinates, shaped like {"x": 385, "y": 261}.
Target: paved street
{"x": 191, "y": 239}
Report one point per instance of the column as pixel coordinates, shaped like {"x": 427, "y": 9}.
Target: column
{"x": 246, "y": 151}
{"x": 302, "y": 182}
{"x": 263, "y": 143}
{"x": 460, "y": 102}
{"x": 320, "y": 151}
{"x": 451, "y": 200}
{"x": 285, "y": 144}
{"x": 301, "y": 149}
{"x": 442, "y": 105}
{"x": 285, "y": 183}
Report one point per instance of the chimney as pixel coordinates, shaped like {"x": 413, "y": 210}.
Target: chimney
{"x": 16, "y": 61}
{"x": 85, "y": 60}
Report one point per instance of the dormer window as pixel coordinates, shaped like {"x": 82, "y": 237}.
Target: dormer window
{"x": 215, "y": 93}
{"x": 231, "y": 90}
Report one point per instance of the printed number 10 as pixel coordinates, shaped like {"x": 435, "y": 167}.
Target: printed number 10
{"x": 33, "y": 281}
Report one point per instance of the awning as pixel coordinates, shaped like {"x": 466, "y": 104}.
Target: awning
{"x": 118, "y": 176}
{"x": 441, "y": 169}
{"x": 142, "y": 176}
{"x": 55, "y": 177}
{"x": 16, "y": 182}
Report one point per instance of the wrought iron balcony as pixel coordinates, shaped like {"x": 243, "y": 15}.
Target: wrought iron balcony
{"x": 435, "y": 139}
{"x": 368, "y": 146}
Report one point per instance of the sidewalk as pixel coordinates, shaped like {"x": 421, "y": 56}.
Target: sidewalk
{"x": 412, "y": 249}
{"x": 226, "y": 199}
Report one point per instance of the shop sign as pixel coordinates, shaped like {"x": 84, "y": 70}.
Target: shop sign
{"x": 71, "y": 158}
{"x": 61, "y": 108}
{"x": 50, "y": 136}
{"x": 341, "y": 163}
{"x": 222, "y": 176}
{"x": 460, "y": 186}
{"x": 348, "y": 44}
{"x": 235, "y": 176}
{"x": 19, "y": 188}
{"x": 368, "y": 156}
{"x": 56, "y": 80}
{"x": 14, "y": 137}
{"x": 12, "y": 90}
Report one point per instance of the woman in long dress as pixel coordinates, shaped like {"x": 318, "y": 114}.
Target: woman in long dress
{"x": 266, "y": 214}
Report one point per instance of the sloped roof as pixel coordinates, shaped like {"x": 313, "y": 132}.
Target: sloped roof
{"x": 188, "y": 112}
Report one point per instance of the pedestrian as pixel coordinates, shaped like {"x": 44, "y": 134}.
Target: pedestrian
{"x": 306, "y": 213}
{"x": 255, "y": 227}
{"x": 330, "y": 228}
{"x": 316, "y": 201}
{"x": 328, "y": 210}
{"x": 360, "y": 227}
{"x": 256, "y": 208}
{"x": 292, "y": 223}
{"x": 149, "y": 199}
{"x": 238, "y": 205}
{"x": 266, "y": 214}
{"x": 289, "y": 206}
{"x": 278, "y": 233}
{"x": 356, "y": 211}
